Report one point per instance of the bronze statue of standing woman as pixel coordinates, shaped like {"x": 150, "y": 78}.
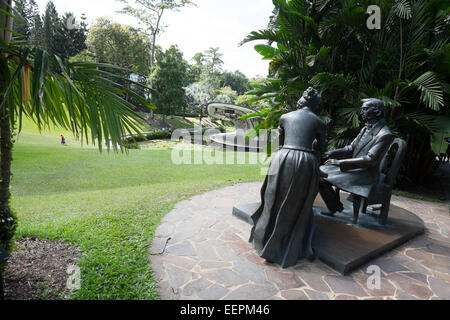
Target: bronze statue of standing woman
{"x": 284, "y": 223}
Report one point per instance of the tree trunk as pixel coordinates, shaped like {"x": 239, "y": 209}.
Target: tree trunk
{"x": 7, "y": 224}
{"x": 201, "y": 114}
{"x": 164, "y": 122}
{"x": 152, "y": 58}
{"x": 154, "y": 34}
{"x": 6, "y": 157}
{"x": 152, "y": 61}
{"x": 6, "y": 21}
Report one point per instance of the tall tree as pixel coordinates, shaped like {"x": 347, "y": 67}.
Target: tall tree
{"x": 221, "y": 86}
{"x": 149, "y": 14}
{"x": 169, "y": 78}
{"x": 51, "y": 24}
{"x": 211, "y": 68}
{"x": 36, "y": 30}
{"x": 72, "y": 34}
{"x": 236, "y": 80}
{"x": 195, "y": 69}
{"x": 26, "y": 10}
{"x": 61, "y": 35}
{"x": 120, "y": 45}
{"x": 214, "y": 62}
{"x": 77, "y": 97}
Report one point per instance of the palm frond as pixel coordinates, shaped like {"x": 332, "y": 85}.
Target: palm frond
{"x": 80, "y": 97}
{"x": 351, "y": 116}
{"x": 268, "y": 35}
{"x": 389, "y": 101}
{"x": 438, "y": 143}
{"x": 402, "y": 8}
{"x": 329, "y": 80}
{"x": 424, "y": 121}
{"x": 431, "y": 90}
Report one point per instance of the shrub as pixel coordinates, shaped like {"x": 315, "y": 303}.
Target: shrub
{"x": 159, "y": 135}
{"x": 132, "y": 143}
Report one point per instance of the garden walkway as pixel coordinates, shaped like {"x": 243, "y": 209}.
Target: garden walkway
{"x": 200, "y": 251}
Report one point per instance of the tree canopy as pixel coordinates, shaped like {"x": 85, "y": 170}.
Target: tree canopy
{"x": 55, "y": 33}
{"x": 149, "y": 14}
{"x": 121, "y": 45}
{"x": 168, "y": 79}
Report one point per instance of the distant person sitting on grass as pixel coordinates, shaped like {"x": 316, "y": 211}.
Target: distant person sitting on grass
{"x": 63, "y": 140}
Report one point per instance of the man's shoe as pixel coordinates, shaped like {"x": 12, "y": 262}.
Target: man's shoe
{"x": 328, "y": 213}
{"x": 332, "y": 213}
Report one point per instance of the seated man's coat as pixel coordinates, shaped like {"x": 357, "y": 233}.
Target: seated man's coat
{"x": 359, "y": 168}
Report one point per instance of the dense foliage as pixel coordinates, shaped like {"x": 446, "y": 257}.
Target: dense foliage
{"x": 169, "y": 77}
{"x": 123, "y": 46}
{"x": 63, "y": 35}
{"x": 327, "y": 44}
{"x": 118, "y": 44}
{"x": 133, "y": 142}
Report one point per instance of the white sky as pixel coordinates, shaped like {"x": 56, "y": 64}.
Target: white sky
{"x": 213, "y": 23}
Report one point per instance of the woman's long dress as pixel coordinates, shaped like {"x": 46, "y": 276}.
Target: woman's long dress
{"x": 283, "y": 225}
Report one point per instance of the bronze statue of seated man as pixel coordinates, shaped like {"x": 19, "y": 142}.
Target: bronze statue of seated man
{"x": 355, "y": 168}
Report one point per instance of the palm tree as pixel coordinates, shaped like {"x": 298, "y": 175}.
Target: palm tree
{"x": 85, "y": 98}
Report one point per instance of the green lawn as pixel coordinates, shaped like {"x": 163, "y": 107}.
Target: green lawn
{"x": 107, "y": 204}
{"x": 179, "y": 123}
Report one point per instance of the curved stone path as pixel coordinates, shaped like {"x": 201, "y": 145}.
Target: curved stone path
{"x": 200, "y": 252}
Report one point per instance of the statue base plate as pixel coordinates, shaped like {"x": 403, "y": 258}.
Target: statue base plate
{"x": 346, "y": 247}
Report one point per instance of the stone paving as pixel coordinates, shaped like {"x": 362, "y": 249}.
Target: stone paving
{"x": 201, "y": 252}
